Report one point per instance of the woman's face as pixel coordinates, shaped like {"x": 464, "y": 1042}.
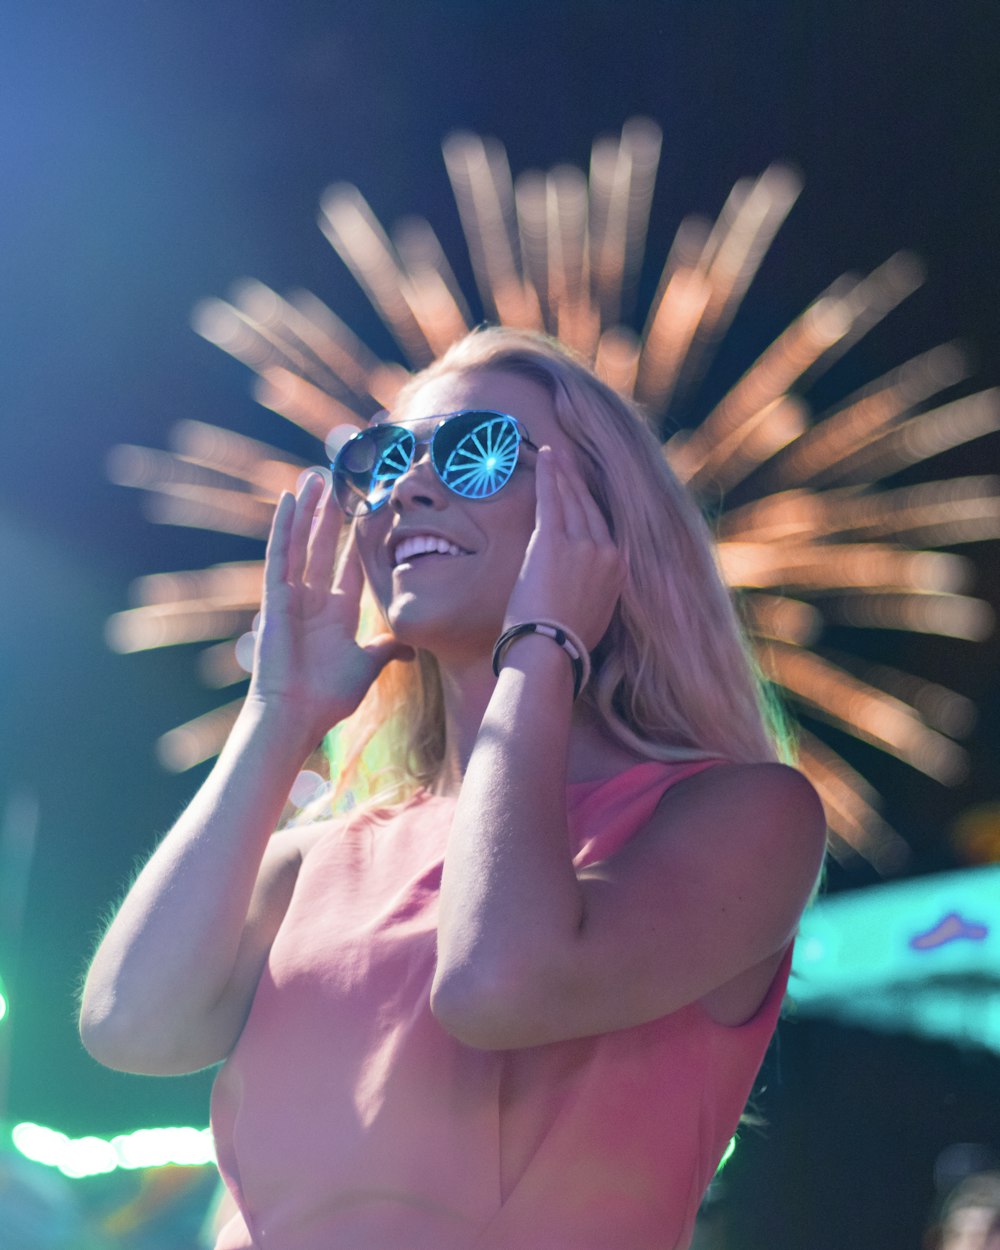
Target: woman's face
{"x": 453, "y": 604}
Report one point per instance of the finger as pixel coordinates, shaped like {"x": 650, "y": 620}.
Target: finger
{"x": 548, "y": 505}
{"x": 587, "y": 515}
{"x": 385, "y": 647}
{"x": 305, "y": 510}
{"x": 571, "y": 491}
{"x": 276, "y": 557}
{"x": 322, "y": 551}
{"x": 349, "y": 578}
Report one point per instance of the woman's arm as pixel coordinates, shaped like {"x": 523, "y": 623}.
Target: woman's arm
{"x": 174, "y": 975}
{"x": 698, "y": 905}
{"x": 173, "y": 978}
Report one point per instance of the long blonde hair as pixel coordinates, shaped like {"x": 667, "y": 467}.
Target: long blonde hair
{"x": 672, "y": 677}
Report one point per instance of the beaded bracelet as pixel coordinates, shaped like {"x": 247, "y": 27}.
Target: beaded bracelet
{"x": 560, "y": 635}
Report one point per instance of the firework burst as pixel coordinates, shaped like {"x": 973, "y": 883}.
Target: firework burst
{"x": 816, "y": 538}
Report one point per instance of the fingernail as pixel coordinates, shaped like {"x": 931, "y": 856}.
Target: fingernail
{"x": 308, "y": 478}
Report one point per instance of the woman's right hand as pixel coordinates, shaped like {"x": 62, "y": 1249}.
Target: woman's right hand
{"x": 172, "y": 982}
{"x": 307, "y": 660}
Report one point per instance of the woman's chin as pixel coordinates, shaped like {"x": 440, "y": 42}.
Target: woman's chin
{"x": 443, "y": 633}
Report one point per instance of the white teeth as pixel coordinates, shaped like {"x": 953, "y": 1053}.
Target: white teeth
{"x": 421, "y": 544}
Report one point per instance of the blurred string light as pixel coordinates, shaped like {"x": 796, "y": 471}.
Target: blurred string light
{"x": 4, "y": 1002}
{"x": 814, "y": 539}
{"x": 78, "y": 1157}
{"x": 81, "y": 1157}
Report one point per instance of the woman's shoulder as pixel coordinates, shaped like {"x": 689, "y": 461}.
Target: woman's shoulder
{"x": 766, "y": 819}
{"x": 775, "y": 789}
{"x": 761, "y": 830}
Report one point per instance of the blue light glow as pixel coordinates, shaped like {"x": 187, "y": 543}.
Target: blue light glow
{"x": 909, "y": 957}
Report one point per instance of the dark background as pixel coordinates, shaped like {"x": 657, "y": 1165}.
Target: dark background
{"x": 153, "y": 153}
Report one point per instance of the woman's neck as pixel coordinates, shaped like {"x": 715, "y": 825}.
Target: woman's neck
{"x": 466, "y": 689}
{"x": 593, "y": 753}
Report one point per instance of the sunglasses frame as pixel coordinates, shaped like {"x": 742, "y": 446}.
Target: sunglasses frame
{"x": 469, "y": 469}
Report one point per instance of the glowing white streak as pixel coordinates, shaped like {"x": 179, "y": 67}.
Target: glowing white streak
{"x": 253, "y": 343}
{"x": 617, "y": 359}
{"x": 198, "y": 739}
{"x": 232, "y": 585}
{"x": 167, "y": 624}
{"x": 484, "y": 192}
{"x": 218, "y": 666}
{"x": 437, "y": 302}
{"x": 360, "y": 368}
{"x": 200, "y": 508}
{"x": 734, "y": 251}
{"x": 925, "y": 436}
{"x": 851, "y": 806}
{"x": 531, "y": 197}
{"x": 863, "y": 711}
{"x": 788, "y": 357}
{"x": 358, "y": 238}
{"x": 308, "y": 406}
{"x": 818, "y": 454}
{"x": 840, "y": 566}
{"x": 610, "y": 171}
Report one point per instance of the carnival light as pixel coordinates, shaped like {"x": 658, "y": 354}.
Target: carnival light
{"x": 95, "y": 1156}
{"x": 815, "y": 539}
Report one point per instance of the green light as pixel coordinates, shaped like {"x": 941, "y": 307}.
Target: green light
{"x": 726, "y": 1155}
{"x": 93, "y": 1156}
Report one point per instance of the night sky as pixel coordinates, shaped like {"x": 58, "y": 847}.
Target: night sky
{"x": 153, "y": 154}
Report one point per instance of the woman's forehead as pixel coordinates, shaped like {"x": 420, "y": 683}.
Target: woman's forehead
{"x": 492, "y": 390}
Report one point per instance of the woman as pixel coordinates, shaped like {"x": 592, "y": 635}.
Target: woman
{"x": 524, "y": 1006}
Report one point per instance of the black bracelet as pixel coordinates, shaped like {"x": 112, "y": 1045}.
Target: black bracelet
{"x": 577, "y": 657}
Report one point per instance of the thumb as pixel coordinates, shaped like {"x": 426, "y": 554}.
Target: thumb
{"x": 386, "y": 647}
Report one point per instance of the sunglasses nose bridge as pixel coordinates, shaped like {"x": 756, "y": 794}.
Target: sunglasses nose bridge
{"x": 420, "y": 477}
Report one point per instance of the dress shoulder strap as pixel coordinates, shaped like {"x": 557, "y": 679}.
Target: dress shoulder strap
{"x": 605, "y": 814}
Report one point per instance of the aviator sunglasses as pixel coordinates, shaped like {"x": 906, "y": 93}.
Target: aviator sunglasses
{"x": 473, "y": 452}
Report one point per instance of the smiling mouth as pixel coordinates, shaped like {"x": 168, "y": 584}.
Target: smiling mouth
{"x": 411, "y": 549}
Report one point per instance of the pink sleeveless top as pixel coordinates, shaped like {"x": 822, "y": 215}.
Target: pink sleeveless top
{"x": 346, "y": 1118}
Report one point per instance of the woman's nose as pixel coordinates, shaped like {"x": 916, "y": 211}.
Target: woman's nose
{"x": 419, "y": 485}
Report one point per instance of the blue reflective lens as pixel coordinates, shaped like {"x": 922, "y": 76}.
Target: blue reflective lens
{"x": 368, "y": 465}
{"x": 476, "y": 462}
{"x": 473, "y": 453}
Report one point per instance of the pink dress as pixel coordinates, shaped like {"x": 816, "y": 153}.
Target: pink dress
{"x": 346, "y": 1118}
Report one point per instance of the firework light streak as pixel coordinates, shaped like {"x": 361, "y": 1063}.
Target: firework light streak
{"x": 818, "y": 541}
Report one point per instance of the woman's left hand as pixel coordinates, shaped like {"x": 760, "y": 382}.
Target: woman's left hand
{"x": 573, "y": 573}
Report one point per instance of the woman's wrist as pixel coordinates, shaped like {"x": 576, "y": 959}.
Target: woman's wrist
{"x": 544, "y": 664}
{"x": 559, "y": 636}
{"x": 284, "y": 722}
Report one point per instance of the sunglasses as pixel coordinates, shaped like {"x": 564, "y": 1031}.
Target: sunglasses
{"x": 474, "y": 454}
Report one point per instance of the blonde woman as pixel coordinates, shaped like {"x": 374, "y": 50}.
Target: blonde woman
{"x": 523, "y": 1004}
